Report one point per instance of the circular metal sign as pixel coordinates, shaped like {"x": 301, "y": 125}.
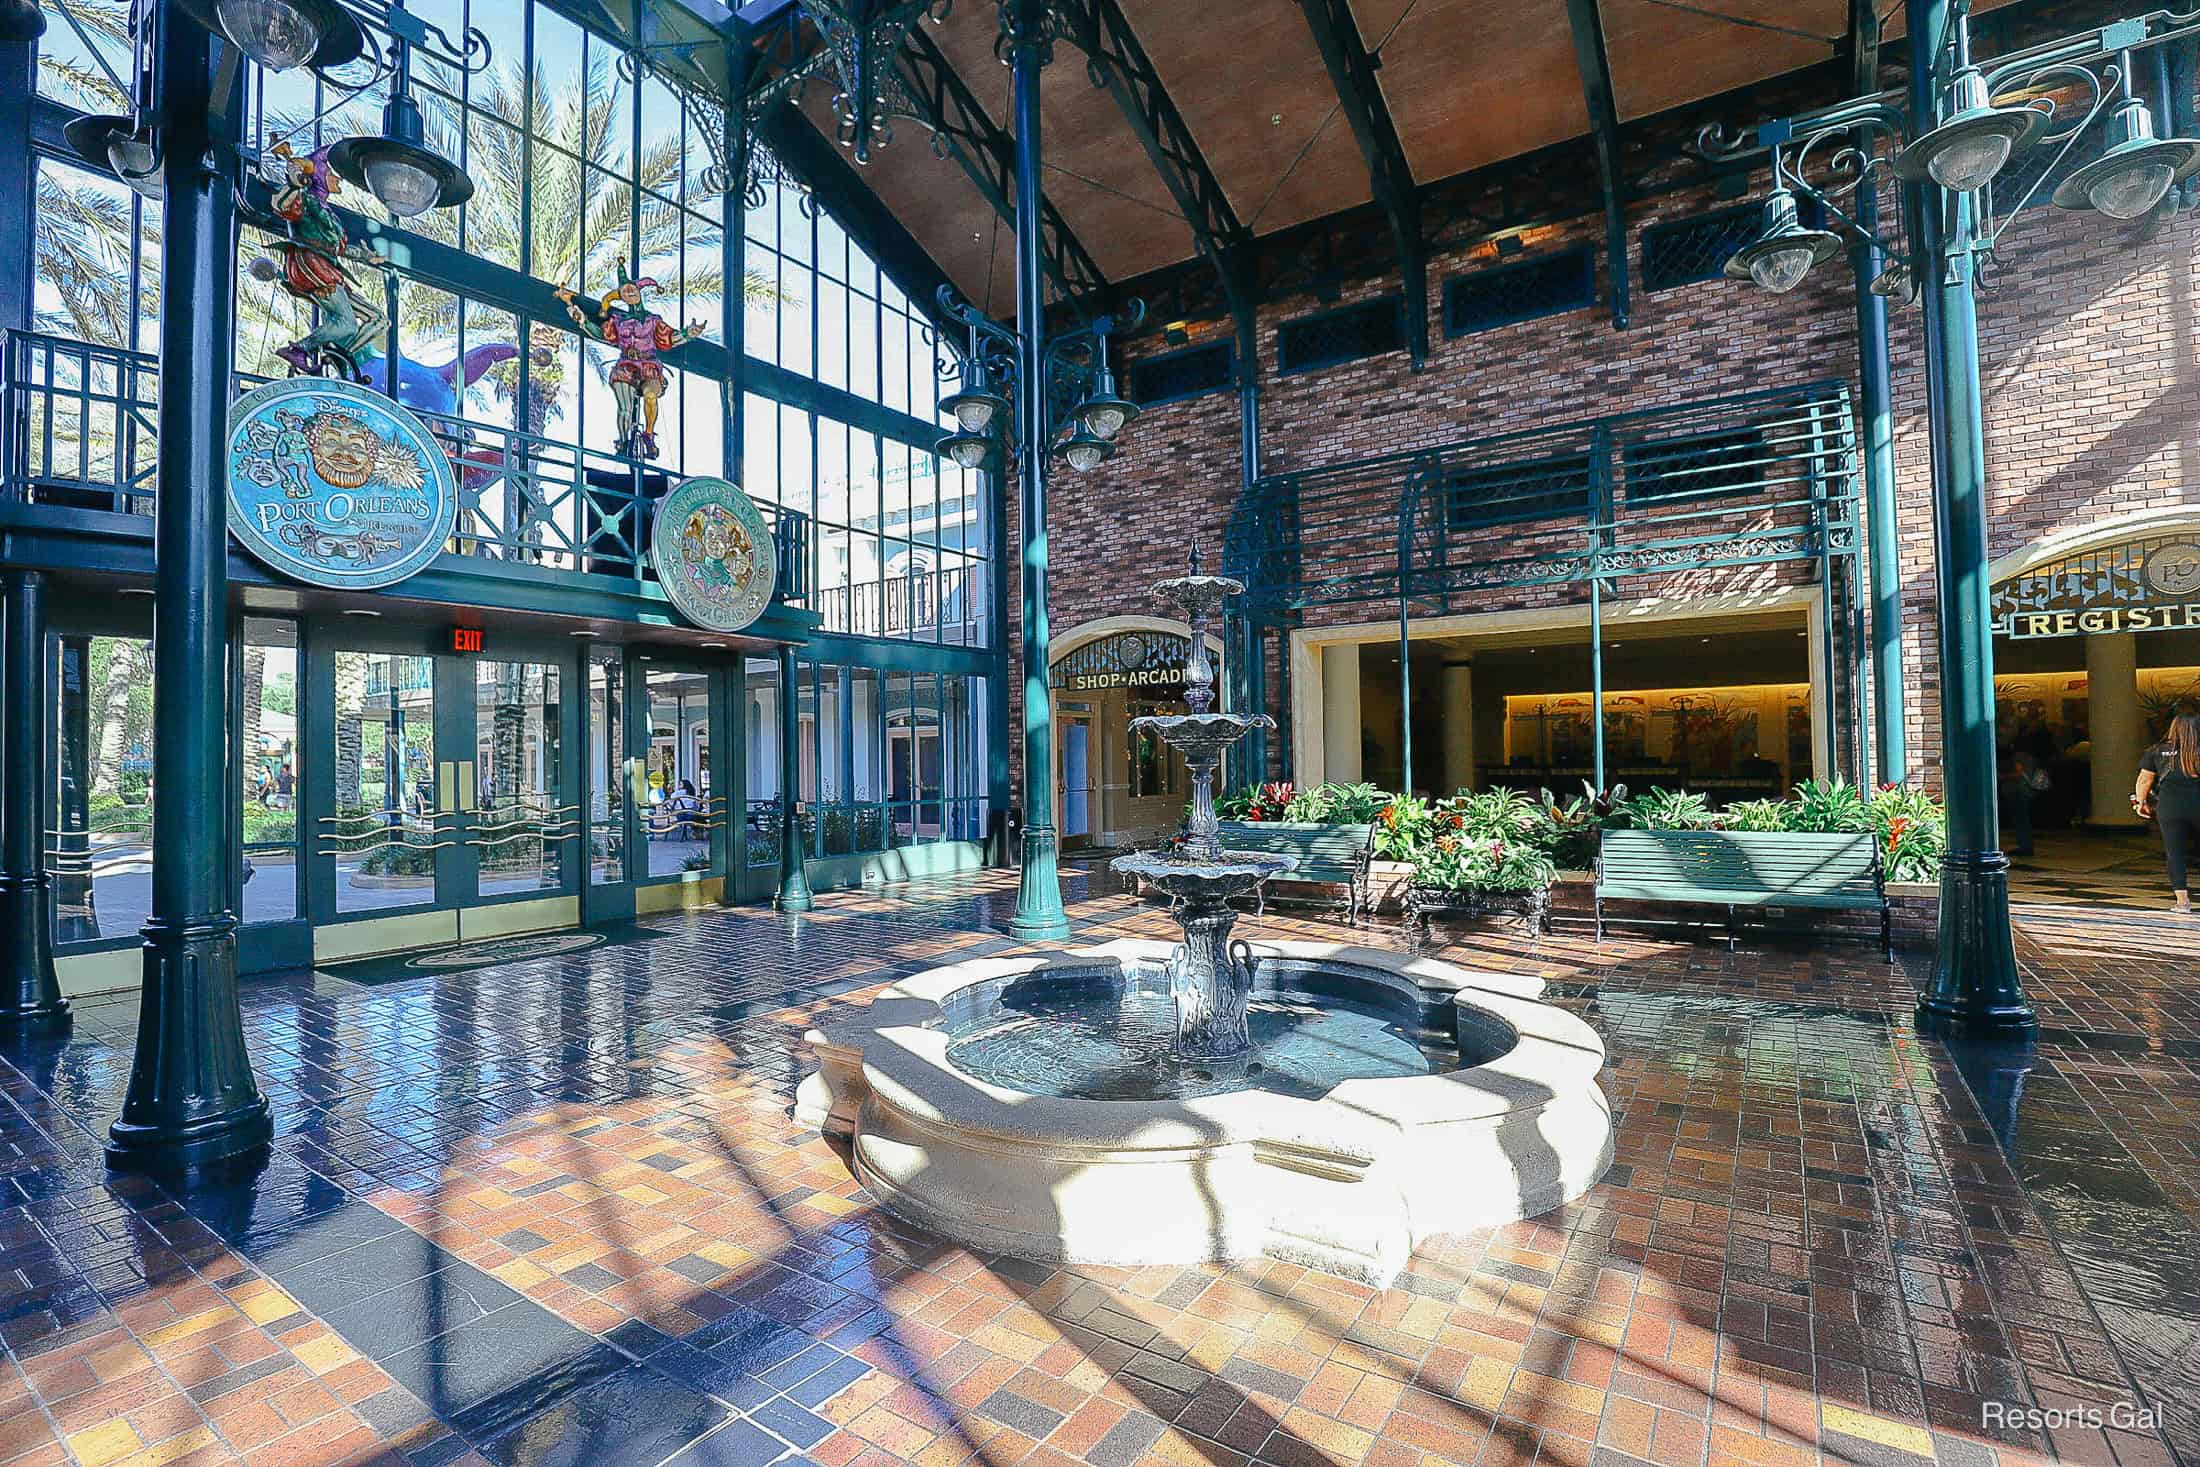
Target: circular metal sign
{"x": 335, "y": 485}
{"x": 714, "y": 554}
{"x": 2174, "y": 569}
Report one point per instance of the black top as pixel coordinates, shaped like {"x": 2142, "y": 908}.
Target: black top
{"x": 2163, "y": 763}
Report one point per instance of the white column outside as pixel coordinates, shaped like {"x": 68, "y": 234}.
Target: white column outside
{"x": 1341, "y": 712}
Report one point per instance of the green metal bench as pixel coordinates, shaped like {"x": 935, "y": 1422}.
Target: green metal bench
{"x": 1332, "y": 855}
{"x": 1737, "y": 869}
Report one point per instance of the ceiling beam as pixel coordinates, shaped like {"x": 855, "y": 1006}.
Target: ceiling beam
{"x": 1587, "y": 23}
{"x": 1862, "y": 48}
{"x": 1352, "y": 73}
{"x": 1117, "y": 61}
{"x": 960, "y": 123}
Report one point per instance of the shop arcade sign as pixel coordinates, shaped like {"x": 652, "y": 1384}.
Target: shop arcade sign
{"x": 1124, "y": 660}
{"x": 2150, "y": 585}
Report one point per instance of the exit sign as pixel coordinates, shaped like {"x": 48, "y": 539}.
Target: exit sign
{"x": 466, "y": 639}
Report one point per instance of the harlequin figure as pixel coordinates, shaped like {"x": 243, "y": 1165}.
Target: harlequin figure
{"x": 637, "y": 378}
{"x": 314, "y": 253}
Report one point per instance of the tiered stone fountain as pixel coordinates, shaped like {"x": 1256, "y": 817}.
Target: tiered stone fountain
{"x": 1210, "y": 984}
{"x": 1144, "y": 1102}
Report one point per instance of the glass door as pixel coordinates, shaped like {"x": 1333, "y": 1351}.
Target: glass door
{"x": 522, "y": 821}
{"x": 393, "y": 806}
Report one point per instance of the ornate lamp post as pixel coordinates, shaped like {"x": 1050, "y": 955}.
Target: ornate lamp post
{"x": 1063, "y": 401}
{"x": 1958, "y": 139}
{"x": 192, "y": 1101}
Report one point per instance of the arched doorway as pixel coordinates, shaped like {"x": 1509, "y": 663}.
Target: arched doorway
{"x": 2096, "y": 645}
{"x": 1115, "y": 788}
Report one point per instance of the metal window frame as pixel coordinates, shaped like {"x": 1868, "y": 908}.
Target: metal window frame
{"x": 1226, "y": 347}
{"x": 1394, "y": 302}
{"x": 1583, "y": 254}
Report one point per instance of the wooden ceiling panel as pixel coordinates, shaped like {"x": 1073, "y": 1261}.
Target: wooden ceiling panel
{"x": 1254, "y": 92}
{"x": 1097, "y": 175}
{"x": 1470, "y": 82}
{"x": 1664, "y": 57}
{"x": 933, "y": 199}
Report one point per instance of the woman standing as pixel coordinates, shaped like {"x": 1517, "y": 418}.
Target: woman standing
{"x": 2169, "y": 789}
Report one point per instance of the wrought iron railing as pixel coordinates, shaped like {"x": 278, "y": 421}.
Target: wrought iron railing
{"x": 946, "y": 604}
{"x": 79, "y": 431}
{"x": 1758, "y": 479}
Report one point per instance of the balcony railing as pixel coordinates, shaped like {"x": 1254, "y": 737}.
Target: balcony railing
{"x": 946, "y": 605}
{"x": 79, "y": 432}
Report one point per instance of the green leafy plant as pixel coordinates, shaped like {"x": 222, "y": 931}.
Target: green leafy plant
{"x": 1912, "y": 828}
{"x": 1235, "y": 805}
{"x": 1664, "y": 809}
{"x": 1770, "y": 816}
{"x": 1573, "y": 829}
{"x": 1405, "y": 826}
{"x": 1497, "y": 814}
{"x": 1829, "y": 807}
{"x": 1456, "y": 864}
{"x": 1337, "y": 804}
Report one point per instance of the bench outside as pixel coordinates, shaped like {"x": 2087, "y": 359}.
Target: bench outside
{"x": 1336, "y": 855}
{"x": 1736, "y": 869}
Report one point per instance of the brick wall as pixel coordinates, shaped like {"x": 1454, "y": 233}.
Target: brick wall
{"x": 2090, "y": 346}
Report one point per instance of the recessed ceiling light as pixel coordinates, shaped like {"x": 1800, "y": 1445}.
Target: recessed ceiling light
{"x": 716, "y": 646}
{"x": 137, "y": 590}
{"x": 583, "y": 632}
{"x": 360, "y": 611}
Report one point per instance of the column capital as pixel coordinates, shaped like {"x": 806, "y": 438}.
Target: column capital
{"x": 1028, "y": 25}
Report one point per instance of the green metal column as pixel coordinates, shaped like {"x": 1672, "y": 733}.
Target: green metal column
{"x": 1875, "y": 434}
{"x": 192, "y": 1100}
{"x": 1975, "y": 987}
{"x": 794, "y": 881}
{"x": 1028, "y": 30}
{"x": 29, "y": 991}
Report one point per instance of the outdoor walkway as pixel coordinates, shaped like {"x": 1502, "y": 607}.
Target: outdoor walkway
{"x": 553, "y": 1211}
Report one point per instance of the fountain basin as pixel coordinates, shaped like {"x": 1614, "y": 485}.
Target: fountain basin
{"x": 1349, "y": 1180}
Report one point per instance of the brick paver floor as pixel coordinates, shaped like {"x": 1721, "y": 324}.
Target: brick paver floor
{"x": 555, "y": 1211}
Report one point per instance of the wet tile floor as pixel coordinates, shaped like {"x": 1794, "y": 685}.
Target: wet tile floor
{"x": 554, "y": 1211}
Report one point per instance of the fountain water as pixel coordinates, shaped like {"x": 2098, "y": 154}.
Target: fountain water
{"x": 1210, "y": 982}
{"x": 1142, "y": 1102}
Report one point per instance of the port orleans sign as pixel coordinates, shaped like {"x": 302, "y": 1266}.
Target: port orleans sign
{"x": 2150, "y": 585}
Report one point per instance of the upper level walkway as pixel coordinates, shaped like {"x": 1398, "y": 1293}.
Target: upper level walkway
{"x": 554, "y": 1211}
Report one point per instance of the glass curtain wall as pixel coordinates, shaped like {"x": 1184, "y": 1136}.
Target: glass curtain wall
{"x": 889, "y": 758}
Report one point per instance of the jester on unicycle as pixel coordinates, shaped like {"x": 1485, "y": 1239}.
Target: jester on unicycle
{"x": 315, "y": 253}
{"x": 637, "y": 378}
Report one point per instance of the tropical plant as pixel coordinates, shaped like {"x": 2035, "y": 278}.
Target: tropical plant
{"x": 1233, "y": 805}
{"x": 1404, "y": 827}
{"x": 1912, "y": 828}
{"x": 1456, "y": 864}
{"x": 1758, "y": 815}
{"x": 1573, "y": 829}
{"x": 1664, "y": 809}
{"x": 1494, "y": 814}
{"x": 1829, "y": 806}
{"x": 1337, "y": 804}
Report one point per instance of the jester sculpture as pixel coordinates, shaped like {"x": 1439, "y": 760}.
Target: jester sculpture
{"x": 637, "y": 377}
{"x": 315, "y": 255}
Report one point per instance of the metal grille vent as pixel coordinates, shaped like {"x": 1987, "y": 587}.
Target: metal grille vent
{"x": 1502, "y": 295}
{"x": 1700, "y": 466}
{"x": 1683, "y": 251}
{"x": 1519, "y": 492}
{"x": 1185, "y": 373}
{"x": 1343, "y": 335}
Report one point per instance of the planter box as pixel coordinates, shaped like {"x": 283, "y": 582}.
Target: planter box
{"x": 1528, "y": 910}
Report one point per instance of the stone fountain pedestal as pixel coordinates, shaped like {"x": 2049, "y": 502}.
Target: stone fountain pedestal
{"x": 1350, "y": 1183}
